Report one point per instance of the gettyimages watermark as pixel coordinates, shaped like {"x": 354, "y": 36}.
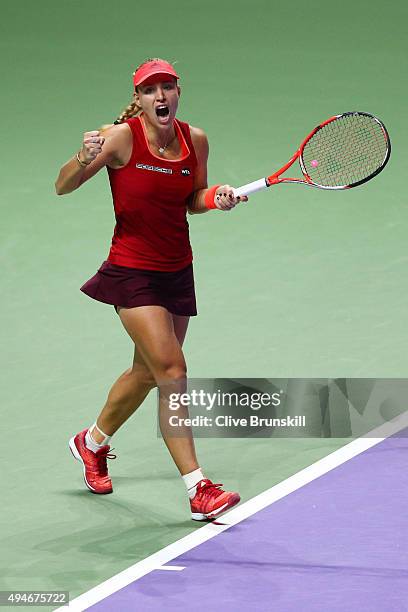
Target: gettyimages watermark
{"x": 265, "y": 408}
{"x": 219, "y": 402}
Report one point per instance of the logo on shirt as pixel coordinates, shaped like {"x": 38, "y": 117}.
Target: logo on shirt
{"x": 186, "y": 172}
{"x": 154, "y": 168}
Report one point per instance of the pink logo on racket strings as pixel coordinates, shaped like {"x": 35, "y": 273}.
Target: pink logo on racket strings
{"x": 314, "y": 163}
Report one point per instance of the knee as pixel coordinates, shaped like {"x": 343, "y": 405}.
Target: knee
{"x": 143, "y": 376}
{"x": 171, "y": 372}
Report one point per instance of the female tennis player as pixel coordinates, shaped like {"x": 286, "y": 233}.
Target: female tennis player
{"x": 157, "y": 167}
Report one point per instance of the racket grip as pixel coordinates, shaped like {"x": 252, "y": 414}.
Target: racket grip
{"x": 251, "y": 187}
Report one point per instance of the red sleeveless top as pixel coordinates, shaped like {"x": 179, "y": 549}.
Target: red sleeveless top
{"x": 150, "y": 201}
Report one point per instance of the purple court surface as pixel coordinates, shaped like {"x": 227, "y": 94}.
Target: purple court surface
{"x": 339, "y": 543}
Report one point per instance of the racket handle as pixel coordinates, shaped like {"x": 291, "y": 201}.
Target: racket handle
{"x": 251, "y": 187}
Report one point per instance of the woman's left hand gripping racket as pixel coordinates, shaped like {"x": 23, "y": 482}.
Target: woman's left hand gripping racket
{"x": 342, "y": 152}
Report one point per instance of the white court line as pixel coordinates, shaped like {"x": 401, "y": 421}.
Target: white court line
{"x": 175, "y": 568}
{"x": 238, "y": 514}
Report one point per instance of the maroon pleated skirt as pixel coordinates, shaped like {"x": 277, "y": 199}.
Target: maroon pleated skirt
{"x": 130, "y": 287}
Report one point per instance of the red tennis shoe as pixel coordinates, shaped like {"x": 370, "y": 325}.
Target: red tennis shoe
{"x": 210, "y": 501}
{"x": 95, "y": 466}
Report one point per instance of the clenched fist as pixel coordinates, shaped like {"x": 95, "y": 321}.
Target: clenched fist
{"x": 91, "y": 146}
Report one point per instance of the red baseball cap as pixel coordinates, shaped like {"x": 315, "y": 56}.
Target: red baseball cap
{"x": 153, "y": 69}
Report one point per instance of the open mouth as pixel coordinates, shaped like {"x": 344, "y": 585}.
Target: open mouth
{"x": 162, "y": 110}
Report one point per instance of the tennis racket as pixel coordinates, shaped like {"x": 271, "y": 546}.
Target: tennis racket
{"x": 345, "y": 151}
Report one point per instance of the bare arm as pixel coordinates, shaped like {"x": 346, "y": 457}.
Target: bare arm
{"x": 196, "y": 203}
{"x": 224, "y": 195}
{"x": 97, "y": 151}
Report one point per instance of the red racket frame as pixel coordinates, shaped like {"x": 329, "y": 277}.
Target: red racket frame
{"x": 275, "y": 179}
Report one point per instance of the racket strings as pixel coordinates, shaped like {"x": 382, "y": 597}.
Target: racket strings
{"x": 345, "y": 151}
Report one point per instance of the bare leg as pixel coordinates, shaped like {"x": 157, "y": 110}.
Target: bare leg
{"x": 125, "y": 396}
{"x": 153, "y": 330}
{"x": 131, "y": 389}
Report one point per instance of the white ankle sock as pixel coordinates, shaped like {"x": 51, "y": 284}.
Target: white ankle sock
{"x": 90, "y": 442}
{"x": 191, "y": 481}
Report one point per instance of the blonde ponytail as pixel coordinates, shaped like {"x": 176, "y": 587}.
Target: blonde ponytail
{"x": 130, "y": 111}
